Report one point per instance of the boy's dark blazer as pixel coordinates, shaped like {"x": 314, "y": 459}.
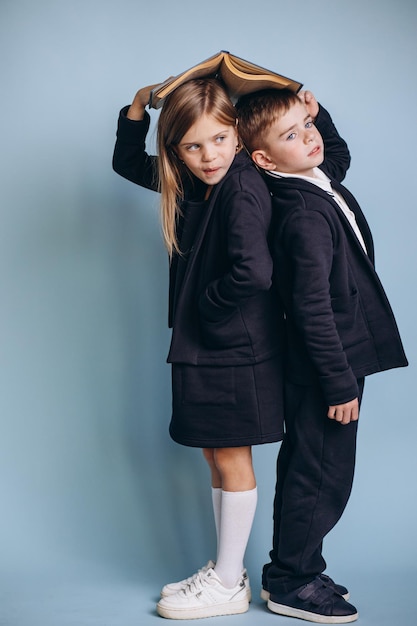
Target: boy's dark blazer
{"x": 222, "y": 308}
{"x": 340, "y": 323}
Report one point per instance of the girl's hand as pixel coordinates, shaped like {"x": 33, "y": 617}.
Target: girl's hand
{"x": 344, "y": 413}
{"x": 310, "y": 103}
{"x": 140, "y": 101}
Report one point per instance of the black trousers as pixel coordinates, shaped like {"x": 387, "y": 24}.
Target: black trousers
{"x": 315, "y": 469}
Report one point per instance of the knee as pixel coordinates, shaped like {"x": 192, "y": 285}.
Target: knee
{"x": 221, "y": 459}
{"x": 234, "y": 465}
{"x": 230, "y": 459}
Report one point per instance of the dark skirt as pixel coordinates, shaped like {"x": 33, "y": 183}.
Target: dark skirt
{"x": 221, "y": 407}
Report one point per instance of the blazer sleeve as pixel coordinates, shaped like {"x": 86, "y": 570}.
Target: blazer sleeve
{"x": 336, "y": 152}
{"x": 247, "y": 219}
{"x": 130, "y": 158}
{"x": 308, "y": 241}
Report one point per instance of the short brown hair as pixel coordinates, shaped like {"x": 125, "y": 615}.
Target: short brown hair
{"x": 258, "y": 111}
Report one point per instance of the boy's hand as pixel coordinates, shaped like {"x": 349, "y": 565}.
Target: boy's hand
{"x": 310, "y": 103}
{"x": 344, "y": 413}
{"x": 140, "y": 101}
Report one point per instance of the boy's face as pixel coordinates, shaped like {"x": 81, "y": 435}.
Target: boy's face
{"x": 293, "y": 144}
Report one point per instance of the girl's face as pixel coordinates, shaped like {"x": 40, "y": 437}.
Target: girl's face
{"x": 208, "y": 149}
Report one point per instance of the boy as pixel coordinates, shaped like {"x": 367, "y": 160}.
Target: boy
{"x": 340, "y": 328}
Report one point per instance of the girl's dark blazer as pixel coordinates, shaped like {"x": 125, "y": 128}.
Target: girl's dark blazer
{"x": 340, "y": 323}
{"x": 223, "y": 310}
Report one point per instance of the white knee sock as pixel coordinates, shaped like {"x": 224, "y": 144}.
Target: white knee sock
{"x": 216, "y": 496}
{"x": 237, "y": 513}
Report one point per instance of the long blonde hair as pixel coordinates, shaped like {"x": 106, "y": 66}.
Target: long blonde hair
{"x": 182, "y": 108}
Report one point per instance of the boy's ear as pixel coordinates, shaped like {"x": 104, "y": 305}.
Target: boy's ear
{"x": 261, "y": 158}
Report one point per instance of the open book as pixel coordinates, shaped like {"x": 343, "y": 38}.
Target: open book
{"x": 239, "y": 76}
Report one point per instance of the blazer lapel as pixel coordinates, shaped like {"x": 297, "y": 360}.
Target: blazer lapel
{"x": 360, "y": 219}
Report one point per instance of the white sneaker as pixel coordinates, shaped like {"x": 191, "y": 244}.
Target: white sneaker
{"x": 205, "y": 596}
{"x": 171, "y": 588}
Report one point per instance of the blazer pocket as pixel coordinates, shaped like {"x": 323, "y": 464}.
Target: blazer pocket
{"x": 228, "y": 332}
{"x": 350, "y": 321}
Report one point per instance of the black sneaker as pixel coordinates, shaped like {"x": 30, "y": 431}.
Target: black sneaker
{"x": 340, "y": 589}
{"x": 314, "y": 602}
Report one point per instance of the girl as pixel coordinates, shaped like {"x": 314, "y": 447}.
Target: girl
{"x": 226, "y": 324}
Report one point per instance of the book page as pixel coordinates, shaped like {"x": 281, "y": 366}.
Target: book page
{"x": 246, "y": 78}
{"x": 201, "y": 70}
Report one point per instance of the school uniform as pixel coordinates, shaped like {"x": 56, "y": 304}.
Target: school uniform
{"x": 340, "y": 329}
{"x": 227, "y": 324}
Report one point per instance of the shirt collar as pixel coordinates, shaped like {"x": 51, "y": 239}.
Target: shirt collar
{"x": 320, "y": 179}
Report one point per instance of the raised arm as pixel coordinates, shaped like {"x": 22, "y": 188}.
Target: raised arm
{"x": 130, "y": 158}
{"x": 336, "y": 152}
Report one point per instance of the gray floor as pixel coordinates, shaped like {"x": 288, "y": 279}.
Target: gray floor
{"x": 382, "y": 600}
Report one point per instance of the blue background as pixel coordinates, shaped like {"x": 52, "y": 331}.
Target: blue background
{"x": 99, "y": 508}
